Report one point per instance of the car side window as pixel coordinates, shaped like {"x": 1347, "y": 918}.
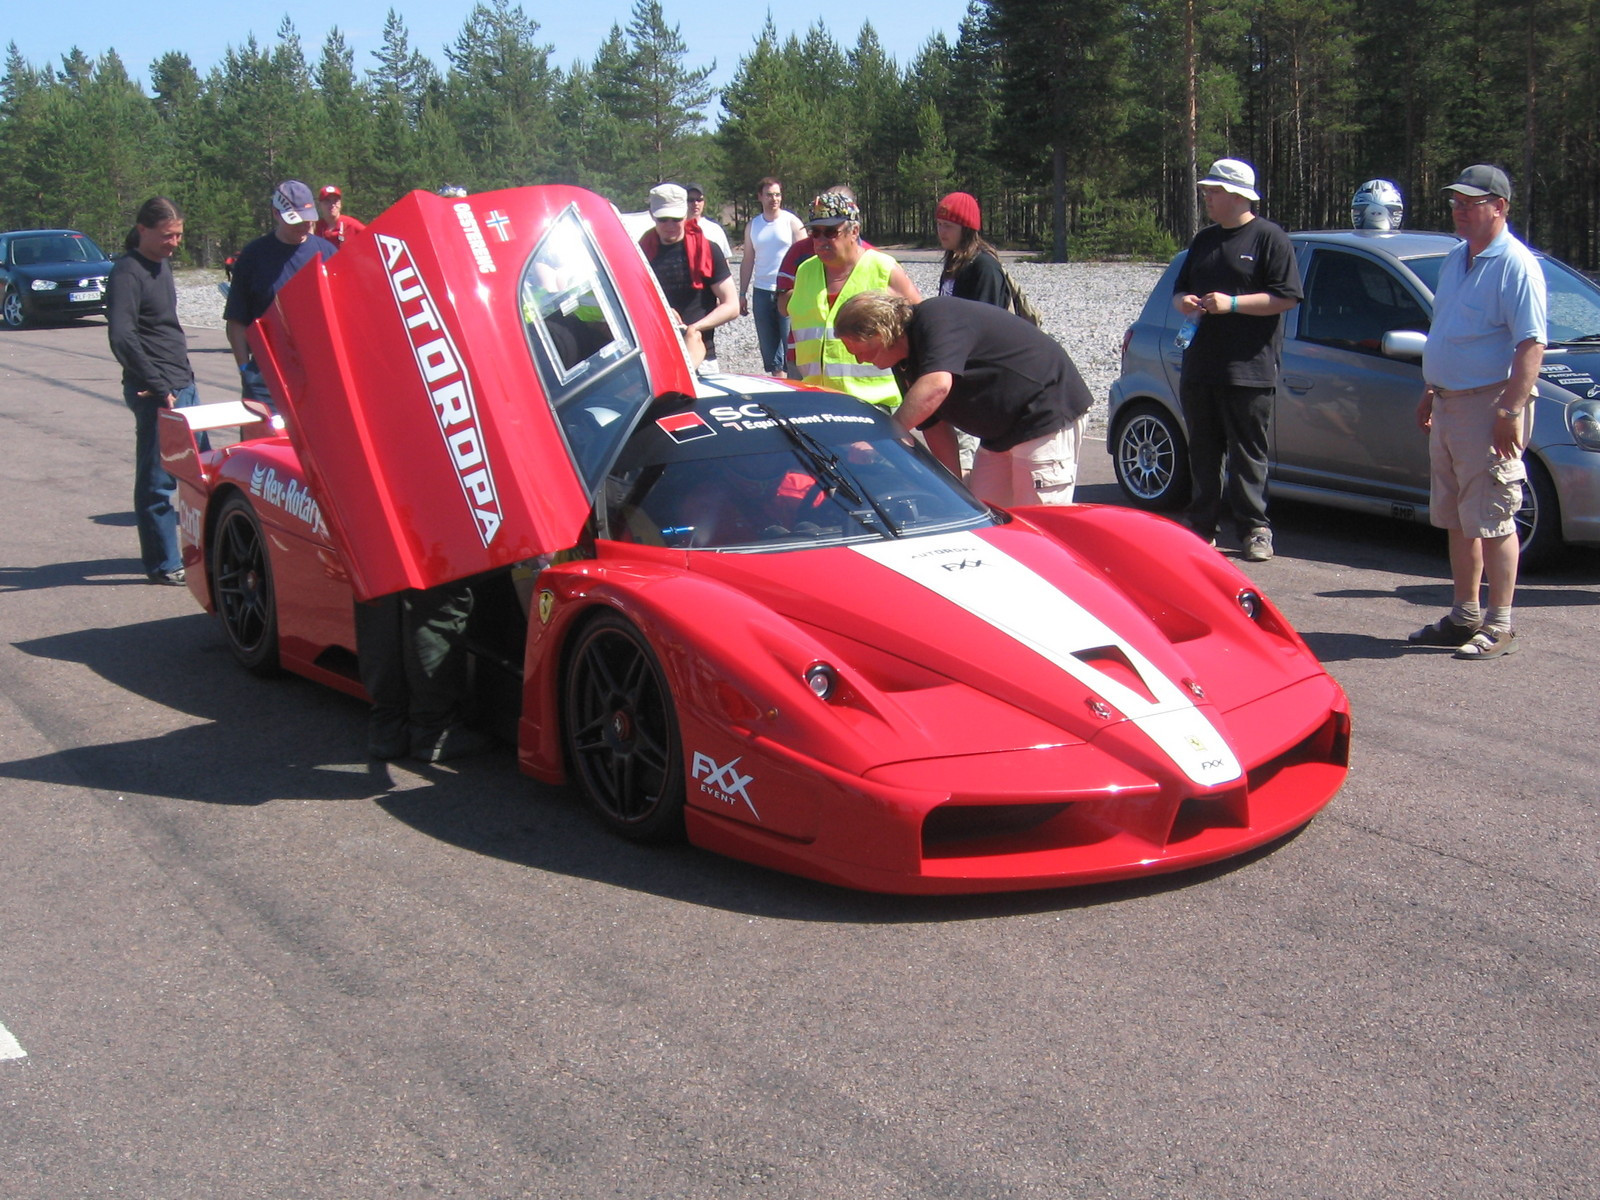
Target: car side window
{"x": 1352, "y": 301}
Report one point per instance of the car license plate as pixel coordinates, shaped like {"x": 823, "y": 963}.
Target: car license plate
{"x": 80, "y": 297}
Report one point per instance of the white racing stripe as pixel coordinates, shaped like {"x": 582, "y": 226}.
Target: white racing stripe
{"x": 9, "y": 1046}
{"x": 997, "y": 589}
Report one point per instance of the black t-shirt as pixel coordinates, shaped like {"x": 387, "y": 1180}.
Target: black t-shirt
{"x": 671, "y": 265}
{"x": 1236, "y": 348}
{"x": 263, "y": 267}
{"x": 1012, "y": 381}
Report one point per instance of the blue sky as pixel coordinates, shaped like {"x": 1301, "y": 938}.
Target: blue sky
{"x": 204, "y": 29}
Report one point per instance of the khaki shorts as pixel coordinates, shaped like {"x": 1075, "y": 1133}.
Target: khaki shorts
{"x": 1041, "y": 471}
{"x": 1471, "y": 488}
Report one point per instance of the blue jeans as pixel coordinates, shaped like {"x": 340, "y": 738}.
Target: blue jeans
{"x": 153, "y": 488}
{"x": 772, "y": 329}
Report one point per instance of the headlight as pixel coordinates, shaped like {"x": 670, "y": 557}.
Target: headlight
{"x": 43, "y": 285}
{"x": 822, "y": 679}
{"x": 1583, "y": 419}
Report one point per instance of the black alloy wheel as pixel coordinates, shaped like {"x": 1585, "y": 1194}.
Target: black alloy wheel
{"x": 622, "y": 732}
{"x": 241, "y": 585}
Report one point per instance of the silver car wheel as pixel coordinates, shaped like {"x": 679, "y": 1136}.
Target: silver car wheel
{"x": 1151, "y": 458}
{"x": 15, "y": 316}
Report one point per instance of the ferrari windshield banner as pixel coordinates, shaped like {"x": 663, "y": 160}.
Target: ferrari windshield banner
{"x": 448, "y": 384}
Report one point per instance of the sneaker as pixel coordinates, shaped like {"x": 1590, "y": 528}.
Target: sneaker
{"x": 1488, "y": 642}
{"x": 455, "y": 742}
{"x": 1258, "y": 545}
{"x": 1443, "y": 632}
{"x": 169, "y": 578}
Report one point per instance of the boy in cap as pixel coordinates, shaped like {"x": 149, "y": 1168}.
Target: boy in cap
{"x": 693, "y": 274}
{"x": 263, "y": 267}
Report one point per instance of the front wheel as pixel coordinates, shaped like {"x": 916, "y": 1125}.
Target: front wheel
{"x": 1151, "y": 457}
{"x": 622, "y": 732}
{"x": 1539, "y": 518}
{"x": 15, "y": 315}
{"x": 241, "y": 584}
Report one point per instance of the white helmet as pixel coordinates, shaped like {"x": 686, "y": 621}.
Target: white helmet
{"x": 453, "y": 191}
{"x": 1377, "y": 204}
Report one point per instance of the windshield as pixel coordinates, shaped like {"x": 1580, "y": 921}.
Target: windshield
{"x": 1574, "y": 304}
{"x": 1573, "y": 300}
{"x": 735, "y": 477}
{"x": 55, "y": 248}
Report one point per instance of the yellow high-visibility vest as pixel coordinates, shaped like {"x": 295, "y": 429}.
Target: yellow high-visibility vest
{"x": 821, "y": 357}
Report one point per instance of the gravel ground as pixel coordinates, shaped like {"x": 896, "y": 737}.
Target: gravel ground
{"x": 1086, "y": 306}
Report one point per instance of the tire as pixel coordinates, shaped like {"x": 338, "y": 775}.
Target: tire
{"x": 1151, "y": 457}
{"x": 1539, "y": 518}
{"x": 241, "y": 586}
{"x": 621, "y": 732}
{"x": 16, "y": 316}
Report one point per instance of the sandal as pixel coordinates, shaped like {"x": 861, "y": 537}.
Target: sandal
{"x": 1443, "y": 632}
{"x": 1488, "y": 643}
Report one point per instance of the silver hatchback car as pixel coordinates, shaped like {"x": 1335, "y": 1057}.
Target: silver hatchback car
{"x": 1344, "y": 429}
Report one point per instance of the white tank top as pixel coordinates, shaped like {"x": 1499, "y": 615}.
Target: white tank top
{"x": 771, "y": 240}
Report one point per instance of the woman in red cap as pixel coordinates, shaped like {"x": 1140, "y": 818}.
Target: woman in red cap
{"x": 972, "y": 269}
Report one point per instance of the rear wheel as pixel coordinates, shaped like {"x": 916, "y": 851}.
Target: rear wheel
{"x": 241, "y": 584}
{"x": 11, "y": 308}
{"x": 1151, "y": 457}
{"x": 1539, "y": 518}
{"x": 622, "y": 732}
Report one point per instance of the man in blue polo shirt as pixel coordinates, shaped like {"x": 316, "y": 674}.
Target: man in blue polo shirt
{"x": 1481, "y": 366}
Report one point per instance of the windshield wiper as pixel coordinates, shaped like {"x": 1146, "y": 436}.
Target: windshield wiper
{"x": 829, "y": 470}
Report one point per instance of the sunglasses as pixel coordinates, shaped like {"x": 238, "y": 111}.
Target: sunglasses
{"x": 827, "y": 232}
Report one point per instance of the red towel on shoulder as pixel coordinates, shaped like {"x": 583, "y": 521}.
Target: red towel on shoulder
{"x": 698, "y": 250}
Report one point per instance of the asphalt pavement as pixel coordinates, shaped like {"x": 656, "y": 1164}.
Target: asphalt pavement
{"x": 238, "y": 959}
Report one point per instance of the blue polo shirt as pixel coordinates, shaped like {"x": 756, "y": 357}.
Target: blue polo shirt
{"x": 1482, "y": 313}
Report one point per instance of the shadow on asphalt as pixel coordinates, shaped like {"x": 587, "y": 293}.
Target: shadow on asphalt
{"x": 95, "y": 572}
{"x": 255, "y": 741}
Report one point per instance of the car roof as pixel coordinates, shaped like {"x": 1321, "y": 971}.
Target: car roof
{"x": 31, "y": 232}
{"x": 1402, "y": 243}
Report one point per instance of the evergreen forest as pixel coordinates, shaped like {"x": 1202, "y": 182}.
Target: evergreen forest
{"x": 1079, "y": 124}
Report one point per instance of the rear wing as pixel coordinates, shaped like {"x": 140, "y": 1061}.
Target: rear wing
{"x": 183, "y": 435}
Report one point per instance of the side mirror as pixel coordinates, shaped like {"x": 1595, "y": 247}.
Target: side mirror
{"x": 1404, "y": 343}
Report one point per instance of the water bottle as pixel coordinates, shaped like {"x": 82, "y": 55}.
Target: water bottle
{"x": 1187, "y": 330}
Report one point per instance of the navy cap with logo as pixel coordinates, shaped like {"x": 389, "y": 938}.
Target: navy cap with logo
{"x": 291, "y": 200}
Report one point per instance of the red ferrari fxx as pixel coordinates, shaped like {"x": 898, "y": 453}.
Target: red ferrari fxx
{"x": 734, "y": 608}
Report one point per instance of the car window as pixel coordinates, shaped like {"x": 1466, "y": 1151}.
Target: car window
{"x": 1352, "y": 301}
{"x": 583, "y": 346}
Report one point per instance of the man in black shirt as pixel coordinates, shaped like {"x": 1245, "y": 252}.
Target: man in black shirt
{"x": 263, "y": 267}
{"x": 1240, "y": 276}
{"x": 977, "y": 368}
{"x": 142, "y": 324}
{"x": 693, "y": 274}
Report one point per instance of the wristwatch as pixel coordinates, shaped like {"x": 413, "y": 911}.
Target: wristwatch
{"x": 1513, "y": 413}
